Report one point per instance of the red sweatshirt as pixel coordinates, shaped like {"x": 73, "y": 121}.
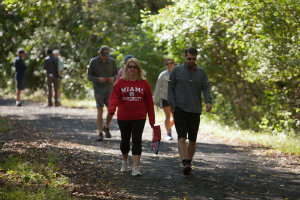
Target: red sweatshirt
{"x": 133, "y": 99}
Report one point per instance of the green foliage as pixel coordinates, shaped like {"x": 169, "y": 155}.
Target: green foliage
{"x": 25, "y": 194}
{"x": 32, "y": 180}
{"x": 250, "y": 52}
{"x": 4, "y": 125}
{"x": 142, "y": 46}
{"x": 77, "y": 28}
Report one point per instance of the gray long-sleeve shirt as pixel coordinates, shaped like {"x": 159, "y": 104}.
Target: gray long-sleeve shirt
{"x": 98, "y": 69}
{"x": 161, "y": 88}
{"x": 185, "y": 89}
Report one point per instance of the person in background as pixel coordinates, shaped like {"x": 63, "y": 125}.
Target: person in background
{"x": 120, "y": 73}
{"x": 161, "y": 91}
{"x": 132, "y": 95}
{"x": 51, "y": 67}
{"x": 60, "y": 69}
{"x": 186, "y": 84}
{"x": 20, "y": 75}
{"x": 102, "y": 72}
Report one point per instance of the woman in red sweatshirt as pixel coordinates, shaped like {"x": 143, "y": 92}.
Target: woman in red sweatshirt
{"x": 133, "y": 97}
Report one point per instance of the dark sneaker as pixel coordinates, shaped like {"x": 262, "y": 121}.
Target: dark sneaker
{"x": 19, "y": 104}
{"x": 187, "y": 170}
{"x": 50, "y": 104}
{"x": 57, "y": 104}
{"x": 100, "y": 137}
{"x": 107, "y": 133}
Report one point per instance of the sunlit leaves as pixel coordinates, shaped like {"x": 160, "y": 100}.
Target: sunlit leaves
{"x": 248, "y": 48}
{"x": 78, "y": 29}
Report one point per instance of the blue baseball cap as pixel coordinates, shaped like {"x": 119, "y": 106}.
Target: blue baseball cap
{"x": 128, "y": 57}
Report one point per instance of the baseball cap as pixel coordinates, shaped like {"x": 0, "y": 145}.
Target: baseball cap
{"x": 102, "y": 48}
{"x": 21, "y": 51}
{"x": 128, "y": 57}
{"x": 55, "y": 51}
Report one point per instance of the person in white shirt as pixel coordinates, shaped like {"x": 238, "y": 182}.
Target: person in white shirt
{"x": 161, "y": 91}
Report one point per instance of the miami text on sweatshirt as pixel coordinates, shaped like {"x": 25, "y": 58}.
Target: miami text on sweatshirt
{"x": 133, "y": 99}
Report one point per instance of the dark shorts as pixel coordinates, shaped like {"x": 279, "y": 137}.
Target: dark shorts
{"x": 20, "y": 84}
{"x": 186, "y": 124}
{"x": 163, "y": 103}
{"x": 101, "y": 100}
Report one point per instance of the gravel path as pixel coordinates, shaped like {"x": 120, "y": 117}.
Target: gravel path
{"x": 222, "y": 170}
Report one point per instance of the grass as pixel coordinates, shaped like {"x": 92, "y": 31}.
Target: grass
{"x": 41, "y": 96}
{"x": 4, "y": 125}
{"x": 22, "y": 179}
{"x": 286, "y": 144}
{"x": 78, "y": 103}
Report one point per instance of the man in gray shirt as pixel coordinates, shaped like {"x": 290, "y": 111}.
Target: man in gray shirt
{"x": 186, "y": 84}
{"x": 102, "y": 72}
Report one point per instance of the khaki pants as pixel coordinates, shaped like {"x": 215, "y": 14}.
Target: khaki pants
{"x": 52, "y": 80}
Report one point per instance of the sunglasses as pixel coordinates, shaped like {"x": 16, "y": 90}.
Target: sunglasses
{"x": 105, "y": 54}
{"x": 169, "y": 63}
{"x": 191, "y": 58}
{"x": 132, "y": 66}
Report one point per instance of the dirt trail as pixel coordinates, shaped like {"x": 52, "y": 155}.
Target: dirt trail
{"x": 222, "y": 171}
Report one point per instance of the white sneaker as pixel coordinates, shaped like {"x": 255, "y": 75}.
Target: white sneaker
{"x": 169, "y": 137}
{"x": 125, "y": 167}
{"x": 136, "y": 171}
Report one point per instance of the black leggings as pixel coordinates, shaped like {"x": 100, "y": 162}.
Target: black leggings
{"x": 136, "y": 128}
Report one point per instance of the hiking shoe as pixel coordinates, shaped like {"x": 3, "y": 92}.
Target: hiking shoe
{"x": 57, "y": 104}
{"x": 19, "y": 104}
{"x": 50, "y": 104}
{"x": 187, "y": 170}
{"x": 107, "y": 133}
{"x": 136, "y": 171}
{"x": 100, "y": 137}
{"x": 125, "y": 167}
{"x": 155, "y": 146}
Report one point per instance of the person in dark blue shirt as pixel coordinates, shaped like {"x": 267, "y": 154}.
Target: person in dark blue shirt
{"x": 20, "y": 75}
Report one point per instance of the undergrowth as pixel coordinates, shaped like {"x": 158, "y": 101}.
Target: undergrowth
{"x": 4, "y": 125}
{"x": 24, "y": 179}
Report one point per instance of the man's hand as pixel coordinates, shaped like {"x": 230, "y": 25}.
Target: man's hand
{"x": 111, "y": 79}
{"x": 102, "y": 80}
{"x": 208, "y": 107}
